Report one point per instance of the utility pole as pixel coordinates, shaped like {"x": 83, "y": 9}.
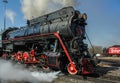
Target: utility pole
{"x": 5, "y": 2}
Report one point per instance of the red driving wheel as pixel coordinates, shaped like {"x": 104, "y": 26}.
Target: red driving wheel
{"x": 71, "y": 69}
{"x": 45, "y": 67}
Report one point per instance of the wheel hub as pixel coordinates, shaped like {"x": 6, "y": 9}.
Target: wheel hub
{"x": 71, "y": 69}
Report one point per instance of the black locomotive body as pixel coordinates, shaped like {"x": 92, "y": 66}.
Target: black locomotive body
{"x": 53, "y": 41}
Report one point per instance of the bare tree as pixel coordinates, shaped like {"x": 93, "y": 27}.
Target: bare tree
{"x": 96, "y": 50}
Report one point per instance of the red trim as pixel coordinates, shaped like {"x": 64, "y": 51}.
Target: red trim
{"x": 27, "y": 37}
{"x": 65, "y": 50}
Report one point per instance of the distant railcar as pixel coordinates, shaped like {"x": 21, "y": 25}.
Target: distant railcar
{"x": 112, "y": 51}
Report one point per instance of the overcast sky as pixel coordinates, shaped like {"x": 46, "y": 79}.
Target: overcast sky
{"x": 103, "y": 19}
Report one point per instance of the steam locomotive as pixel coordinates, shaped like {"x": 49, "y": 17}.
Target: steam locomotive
{"x": 54, "y": 40}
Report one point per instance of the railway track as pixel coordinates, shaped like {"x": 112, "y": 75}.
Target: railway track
{"x": 86, "y": 79}
{"x": 104, "y": 76}
{"x": 80, "y": 79}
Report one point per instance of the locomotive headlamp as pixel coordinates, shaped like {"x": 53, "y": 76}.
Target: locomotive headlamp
{"x": 84, "y": 16}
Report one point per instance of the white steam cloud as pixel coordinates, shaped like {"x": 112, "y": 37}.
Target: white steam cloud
{"x": 10, "y": 71}
{"x": 35, "y": 8}
{"x": 10, "y": 14}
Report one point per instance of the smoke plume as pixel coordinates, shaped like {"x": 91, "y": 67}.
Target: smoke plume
{"x": 35, "y": 8}
{"x": 10, "y": 71}
{"x": 10, "y": 14}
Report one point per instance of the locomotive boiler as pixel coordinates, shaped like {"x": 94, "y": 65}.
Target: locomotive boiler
{"x": 54, "y": 40}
